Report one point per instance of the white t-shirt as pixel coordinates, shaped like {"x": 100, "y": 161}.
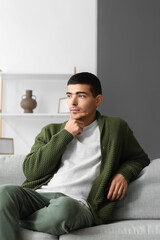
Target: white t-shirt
{"x": 80, "y": 165}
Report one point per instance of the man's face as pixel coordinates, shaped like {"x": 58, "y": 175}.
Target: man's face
{"x": 80, "y": 99}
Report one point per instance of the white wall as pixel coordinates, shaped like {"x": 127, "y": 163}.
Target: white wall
{"x": 43, "y": 36}
{"x": 48, "y": 35}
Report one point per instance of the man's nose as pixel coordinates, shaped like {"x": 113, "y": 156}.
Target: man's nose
{"x": 74, "y": 100}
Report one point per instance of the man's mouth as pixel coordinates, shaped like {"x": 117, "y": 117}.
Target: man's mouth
{"x": 74, "y": 110}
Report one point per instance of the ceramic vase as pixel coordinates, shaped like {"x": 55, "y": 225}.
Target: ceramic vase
{"x": 28, "y": 102}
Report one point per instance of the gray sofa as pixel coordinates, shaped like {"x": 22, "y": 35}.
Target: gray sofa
{"x": 136, "y": 217}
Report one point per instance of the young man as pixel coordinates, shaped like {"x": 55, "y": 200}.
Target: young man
{"x": 76, "y": 171}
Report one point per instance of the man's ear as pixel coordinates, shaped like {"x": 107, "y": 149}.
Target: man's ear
{"x": 99, "y": 99}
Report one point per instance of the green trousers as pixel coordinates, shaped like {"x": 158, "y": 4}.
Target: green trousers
{"x": 53, "y": 213}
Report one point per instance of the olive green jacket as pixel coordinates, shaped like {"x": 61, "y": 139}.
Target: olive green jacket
{"x": 120, "y": 153}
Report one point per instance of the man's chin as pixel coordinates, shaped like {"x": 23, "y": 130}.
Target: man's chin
{"x": 75, "y": 115}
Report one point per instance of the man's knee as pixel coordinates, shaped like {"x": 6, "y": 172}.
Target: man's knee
{"x": 60, "y": 215}
{"x": 69, "y": 211}
{"x": 67, "y": 208}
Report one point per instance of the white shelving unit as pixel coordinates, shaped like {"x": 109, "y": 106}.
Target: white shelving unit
{"x": 32, "y": 115}
{"x": 35, "y": 76}
{"x": 4, "y": 76}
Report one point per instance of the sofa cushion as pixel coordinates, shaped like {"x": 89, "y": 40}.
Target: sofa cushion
{"x": 11, "y": 169}
{"x": 122, "y": 230}
{"x": 32, "y": 235}
{"x": 142, "y": 197}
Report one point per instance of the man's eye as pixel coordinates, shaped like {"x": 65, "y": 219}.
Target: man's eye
{"x": 82, "y": 96}
{"x": 68, "y": 96}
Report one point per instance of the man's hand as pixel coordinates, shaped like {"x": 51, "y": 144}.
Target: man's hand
{"x": 75, "y": 125}
{"x": 117, "y": 187}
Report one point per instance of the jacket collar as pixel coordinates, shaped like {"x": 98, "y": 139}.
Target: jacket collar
{"x": 100, "y": 120}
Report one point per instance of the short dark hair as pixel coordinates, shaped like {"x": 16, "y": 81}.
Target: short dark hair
{"x": 87, "y": 78}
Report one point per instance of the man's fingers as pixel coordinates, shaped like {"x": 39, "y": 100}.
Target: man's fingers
{"x": 119, "y": 193}
{"x": 75, "y": 126}
{"x": 116, "y": 193}
{"x": 117, "y": 187}
{"x": 111, "y": 190}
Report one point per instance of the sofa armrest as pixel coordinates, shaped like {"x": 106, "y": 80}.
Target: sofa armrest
{"x": 11, "y": 169}
{"x": 142, "y": 197}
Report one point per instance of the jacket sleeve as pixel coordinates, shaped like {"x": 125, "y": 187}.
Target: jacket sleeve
{"x": 134, "y": 159}
{"x": 45, "y": 154}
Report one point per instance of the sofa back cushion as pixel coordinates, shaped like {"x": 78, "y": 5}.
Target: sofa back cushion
{"x": 11, "y": 169}
{"x": 141, "y": 200}
{"x": 142, "y": 196}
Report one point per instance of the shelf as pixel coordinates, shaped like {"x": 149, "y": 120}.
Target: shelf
{"x": 12, "y": 76}
{"x": 35, "y": 76}
{"x": 33, "y": 115}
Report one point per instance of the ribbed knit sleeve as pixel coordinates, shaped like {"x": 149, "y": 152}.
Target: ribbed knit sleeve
{"x": 134, "y": 159}
{"x": 45, "y": 155}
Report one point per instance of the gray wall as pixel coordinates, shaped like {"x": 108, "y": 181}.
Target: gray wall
{"x": 129, "y": 66}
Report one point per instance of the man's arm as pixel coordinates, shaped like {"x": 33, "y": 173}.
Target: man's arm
{"x": 48, "y": 148}
{"x": 45, "y": 154}
{"x": 134, "y": 159}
